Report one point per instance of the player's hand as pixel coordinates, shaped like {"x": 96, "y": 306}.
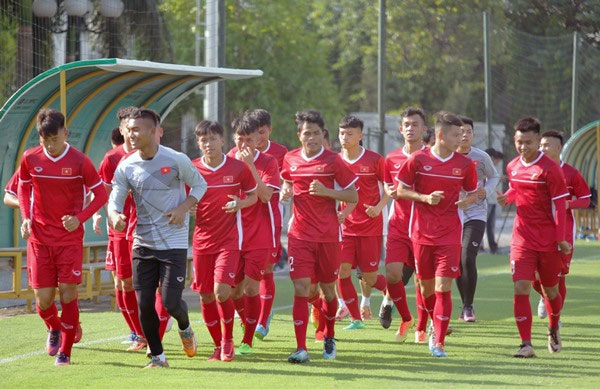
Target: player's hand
{"x": 285, "y": 194}
{"x": 26, "y": 229}
{"x": 341, "y": 215}
{"x": 502, "y": 198}
{"x": 97, "y": 219}
{"x": 567, "y": 205}
{"x": 118, "y": 221}
{"x": 233, "y": 205}
{"x": 565, "y": 247}
{"x": 434, "y": 197}
{"x": 193, "y": 209}
{"x": 71, "y": 223}
{"x": 480, "y": 193}
{"x": 176, "y": 216}
{"x": 372, "y": 211}
{"x": 390, "y": 191}
{"x": 246, "y": 155}
{"x": 317, "y": 188}
{"x": 463, "y": 204}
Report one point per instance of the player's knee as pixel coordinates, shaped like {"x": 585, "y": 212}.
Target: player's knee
{"x": 393, "y": 277}
{"x": 551, "y": 291}
{"x": 127, "y": 284}
{"x": 304, "y": 289}
{"x": 370, "y": 278}
{"x": 207, "y": 298}
{"x": 252, "y": 288}
{"x": 222, "y": 292}
{"x": 522, "y": 287}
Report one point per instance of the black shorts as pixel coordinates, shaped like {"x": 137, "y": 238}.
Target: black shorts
{"x": 151, "y": 266}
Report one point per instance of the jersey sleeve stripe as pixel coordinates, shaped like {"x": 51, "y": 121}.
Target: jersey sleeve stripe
{"x": 20, "y": 180}
{"x": 277, "y": 188}
{"x": 402, "y": 182}
{"x": 585, "y": 197}
{"x": 560, "y": 196}
{"x": 10, "y": 191}
{"x": 253, "y": 189}
{"x": 351, "y": 183}
{"x": 95, "y": 185}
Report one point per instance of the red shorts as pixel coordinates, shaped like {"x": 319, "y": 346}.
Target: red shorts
{"x": 118, "y": 257}
{"x": 319, "y": 261}
{"x": 275, "y": 253}
{"x": 437, "y": 261}
{"x": 50, "y": 265}
{"x": 214, "y": 268}
{"x": 362, "y": 251}
{"x": 252, "y": 263}
{"x": 399, "y": 249}
{"x": 524, "y": 263}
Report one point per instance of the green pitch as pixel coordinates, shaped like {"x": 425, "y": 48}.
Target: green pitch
{"x": 479, "y": 354}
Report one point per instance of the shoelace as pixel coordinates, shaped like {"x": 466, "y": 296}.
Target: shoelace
{"x": 54, "y": 337}
{"x": 329, "y": 344}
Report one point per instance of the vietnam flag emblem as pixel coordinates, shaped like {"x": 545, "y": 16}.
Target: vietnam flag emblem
{"x": 165, "y": 170}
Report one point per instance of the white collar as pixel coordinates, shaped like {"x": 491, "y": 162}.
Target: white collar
{"x": 440, "y": 158}
{"x": 214, "y": 169}
{"x": 541, "y": 154}
{"x": 56, "y": 159}
{"x": 406, "y": 153}
{"x": 307, "y": 159}
{"x": 353, "y": 161}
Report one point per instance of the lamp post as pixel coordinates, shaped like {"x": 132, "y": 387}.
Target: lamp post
{"x": 43, "y": 11}
{"x": 111, "y": 10}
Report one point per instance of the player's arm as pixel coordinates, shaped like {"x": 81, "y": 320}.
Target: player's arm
{"x": 491, "y": 177}
{"x": 344, "y": 213}
{"x": 347, "y": 195}
{"x": 263, "y": 191}
{"x": 582, "y": 194}
{"x": 116, "y": 201}
{"x": 558, "y": 190}
{"x": 24, "y": 197}
{"x": 286, "y": 192}
{"x": 375, "y": 210}
{"x": 470, "y": 186}
{"x": 97, "y": 217}
{"x": 197, "y": 187}
{"x": 237, "y": 204}
{"x": 10, "y": 200}
{"x": 405, "y": 192}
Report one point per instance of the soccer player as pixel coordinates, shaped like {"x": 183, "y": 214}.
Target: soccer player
{"x": 433, "y": 178}
{"x": 311, "y": 174}
{"x": 267, "y": 283}
{"x": 537, "y": 186}
{"x": 53, "y": 218}
{"x": 218, "y": 234}
{"x": 362, "y": 222}
{"x": 399, "y": 259}
{"x": 118, "y": 252}
{"x": 474, "y": 218}
{"x": 579, "y": 197}
{"x": 490, "y": 225}
{"x": 258, "y": 225}
{"x": 156, "y": 175}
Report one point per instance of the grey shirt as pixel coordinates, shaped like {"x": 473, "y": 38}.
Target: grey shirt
{"x": 157, "y": 186}
{"x": 487, "y": 178}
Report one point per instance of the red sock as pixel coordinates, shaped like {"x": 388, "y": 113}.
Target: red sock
{"x": 553, "y": 308}
{"x": 50, "y": 317}
{"x": 441, "y": 313}
{"x": 421, "y": 310}
{"x": 131, "y": 307}
{"x": 429, "y": 304}
{"x": 120, "y": 299}
{"x": 348, "y": 293}
{"x": 317, "y": 303}
{"x": 69, "y": 321}
{"x": 562, "y": 289}
{"x": 267, "y": 297}
{"x": 240, "y": 307}
{"x": 537, "y": 286}
{"x": 398, "y": 295}
{"x": 210, "y": 314}
{"x": 163, "y": 315}
{"x": 380, "y": 283}
{"x": 300, "y": 316}
{"x": 252, "y": 313}
{"x": 522, "y": 309}
{"x": 329, "y": 309}
{"x": 226, "y": 312}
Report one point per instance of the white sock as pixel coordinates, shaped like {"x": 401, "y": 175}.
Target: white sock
{"x": 189, "y": 326}
{"x": 341, "y": 302}
{"x": 365, "y": 301}
{"x": 161, "y": 357}
{"x": 387, "y": 300}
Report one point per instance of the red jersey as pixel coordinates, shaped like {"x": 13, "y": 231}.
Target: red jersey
{"x": 536, "y": 185}
{"x": 258, "y": 221}
{"x": 59, "y": 189}
{"x": 402, "y": 209}
{"x": 437, "y": 225}
{"x": 368, "y": 167}
{"x": 12, "y": 186}
{"x": 106, "y": 170}
{"x": 216, "y": 230}
{"x": 578, "y": 189}
{"x": 315, "y": 217}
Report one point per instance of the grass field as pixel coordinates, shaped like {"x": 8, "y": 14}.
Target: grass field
{"x": 479, "y": 353}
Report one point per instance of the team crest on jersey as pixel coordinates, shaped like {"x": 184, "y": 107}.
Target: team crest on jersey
{"x": 165, "y": 170}
{"x": 535, "y": 176}
{"x": 319, "y": 169}
{"x": 427, "y": 167}
{"x": 66, "y": 171}
{"x": 364, "y": 169}
{"x": 456, "y": 171}
{"x": 38, "y": 169}
{"x": 513, "y": 173}
{"x": 293, "y": 168}
{"x": 396, "y": 166}
{"x": 228, "y": 179}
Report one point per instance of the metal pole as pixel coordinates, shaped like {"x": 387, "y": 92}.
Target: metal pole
{"x": 211, "y": 35}
{"x": 487, "y": 76}
{"x": 198, "y": 36}
{"x": 574, "y": 85}
{"x": 381, "y": 77}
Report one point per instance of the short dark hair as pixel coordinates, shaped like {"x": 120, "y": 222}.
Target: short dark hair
{"x": 116, "y": 137}
{"x": 554, "y": 134}
{"x": 527, "y": 124}
{"x": 310, "y": 116}
{"x": 466, "y": 120}
{"x": 206, "y": 127}
{"x": 444, "y": 120}
{"x": 245, "y": 124}
{"x": 145, "y": 113}
{"x": 325, "y": 134}
{"x": 350, "y": 121}
{"x": 49, "y": 121}
{"x": 428, "y": 134}
{"x": 410, "y": 111}
{"x": 263, "y": 116}
{"x": 123, "y": 113}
